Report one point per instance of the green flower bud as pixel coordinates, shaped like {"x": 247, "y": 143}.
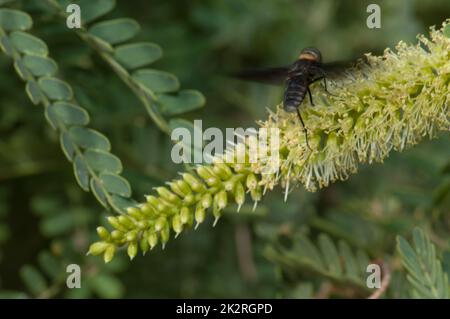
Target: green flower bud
{"x": 152, "y": 239}
{"x": 114, "y": 222}
{"x": 314, "y": 141}
{"x": 183, "y": 186}
{"x": 217, "y": 213}
{"x": 185, "y": 215}
{"x": 135, "y": 213}
{"x": 177, "y": 225}
{"x": 221, "y": 199}
{"x": 109, "y": 253}
{"x": 148, "y": 210}
{"x": 189, "y": 199}
{"x": 333, "y": 142}
{"x": 131, "y": 236}
{"x": 252, "y": 181}
{"x": 152, "y": 200}
{"x": 117, "y": 235}
{"x": 103, "y": 233}
{"x": 204, "y": 172}
{"x": 160, "y": 223}
{"x": 142, "y": 224}
{"x": 229, "y": 184}
{"x": 163, "y": 206}
{"x": 144, "y": 242}
{"x": 256, "y": 194}
{"x": 180, "y": 187}
{"x": 194, "y": 183}
{"x": 98, "y": 248}
{"x": 125, "y": 221}
{"x": 200, "y": 215}
{"x": 208, "y": 176}
{"x": 132, "y": 250}
{"x": 206, "y": 201}
{"x": 239, "y": 194}
{"x": 167, "y": 195}
{"x": 222, "y": 170}
{"x": 165, "y": 235}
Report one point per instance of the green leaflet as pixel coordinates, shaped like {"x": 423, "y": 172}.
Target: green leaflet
{"x": 425, "y": 273}
{"x": 67, "y": 146}
{"x": 309, "y": 253}
{"x": 68, "y": 113}
{"x": 352, "y": 269}
{"x": 330, "y": 255}
{"x": 137, "y": 55}
{"x": 115, "y": 31}
{"x": 33, "y": 279}
{"x": 181, "y": 102}
{"x": 14, "y": 20}
{"x": 51, "y": 118}
{"x": 81, "y": 172}
{"x": 6, "y": 46}
{"x": 326, "y": 258}
{"x": 155, "y": 81}
{"x": 89, "y": 139}
{"x": 55, "y": 89}
{"x": 121, "y": 203}
{"x": 57, "y": 224}
{"x": 40, "y": 66}
{"x": 33, "y": 66}
{"x": 103, "y": 35}
{"x": 99, "y": 193}
{"x": 33, "y": 92}
{"x": 21, "y": 70}
{"x": 92, "y": 10}
{"x": 51, "y": 266}
{"x": 116, "y": 184}
{"x": 28, "y": 44}
{"x": 106, "y": 286}
{"x": 102, "y": 161}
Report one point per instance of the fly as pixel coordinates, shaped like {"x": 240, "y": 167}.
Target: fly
{"x": 307, "y": 69}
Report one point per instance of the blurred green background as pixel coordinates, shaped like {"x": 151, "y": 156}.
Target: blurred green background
{"x": 47, "y": 221}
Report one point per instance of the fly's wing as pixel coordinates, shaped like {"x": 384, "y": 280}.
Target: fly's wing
{"x": 275, "y": 76}
{"x": 338, "y": 69}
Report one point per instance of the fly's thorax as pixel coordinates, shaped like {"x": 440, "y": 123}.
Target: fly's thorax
{"x": 299, "y": 68}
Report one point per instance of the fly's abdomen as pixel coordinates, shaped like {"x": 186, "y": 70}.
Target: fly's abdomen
{"x": 295, "y": 93}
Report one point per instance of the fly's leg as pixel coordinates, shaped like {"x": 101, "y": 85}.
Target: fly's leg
{"x": 325, "y": 85}
{"x": 310, "y": 98}
{"x": 304, "y": 127}
{"x": 323, "y": 77}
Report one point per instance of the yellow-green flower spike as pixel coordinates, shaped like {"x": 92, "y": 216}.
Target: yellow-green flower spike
{"x": 390, "y": 103}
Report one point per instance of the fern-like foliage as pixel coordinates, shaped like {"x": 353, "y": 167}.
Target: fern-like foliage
{"x": 425, "y": 274}
{"x": 339, "y": 263}
{"x": 96, "y": 169}
{"x": 158, "y": 91}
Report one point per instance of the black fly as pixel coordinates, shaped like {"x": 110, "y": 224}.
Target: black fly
{"x": 307, "y": 69}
